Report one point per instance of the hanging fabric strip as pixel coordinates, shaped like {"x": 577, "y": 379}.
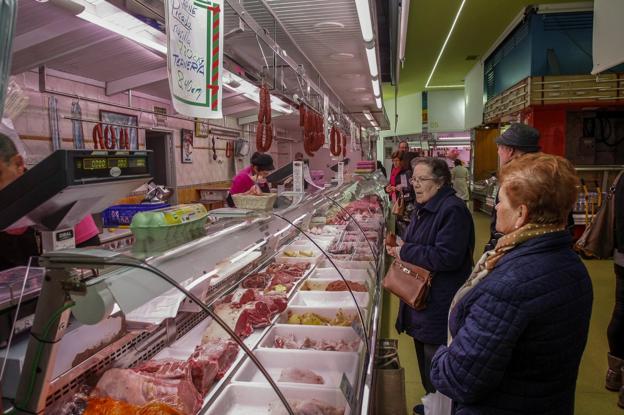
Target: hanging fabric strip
{"x": 77, "y": 132}
{"x": 54, "y": 123}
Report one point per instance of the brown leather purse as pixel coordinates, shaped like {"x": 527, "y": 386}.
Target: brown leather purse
{"x": 598, "y": 240}
{"x": 409, "y": 282}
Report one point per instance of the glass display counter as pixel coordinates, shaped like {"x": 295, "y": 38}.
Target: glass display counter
{"x": 277, "y": 312}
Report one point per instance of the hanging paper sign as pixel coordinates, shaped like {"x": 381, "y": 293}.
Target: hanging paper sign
{"x": 298, "y": 176}
{"x": 195, "y": 56}
{"x": 340, "y": 175}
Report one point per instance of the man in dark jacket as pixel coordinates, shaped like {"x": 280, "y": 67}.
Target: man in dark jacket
{"x": 517, "y": 140}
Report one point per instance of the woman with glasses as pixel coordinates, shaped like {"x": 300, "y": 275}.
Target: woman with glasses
{"x": 439, "y": 238}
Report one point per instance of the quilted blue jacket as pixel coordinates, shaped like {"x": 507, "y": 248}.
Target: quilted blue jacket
{"x": 518, "y": 336}
{"x": 440, "y": 238}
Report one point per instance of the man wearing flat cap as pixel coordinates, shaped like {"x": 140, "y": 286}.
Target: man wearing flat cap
{"x": 517, "y": 140}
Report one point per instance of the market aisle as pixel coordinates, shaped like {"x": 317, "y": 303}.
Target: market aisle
{"x": 591, "y": 396}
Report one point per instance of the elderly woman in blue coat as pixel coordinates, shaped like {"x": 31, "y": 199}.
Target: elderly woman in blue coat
{"x": 439, "y": 238}
{"x": 518, "y": 327}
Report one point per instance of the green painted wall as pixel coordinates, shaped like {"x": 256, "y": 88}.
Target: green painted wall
{"x": 410, "y": 113}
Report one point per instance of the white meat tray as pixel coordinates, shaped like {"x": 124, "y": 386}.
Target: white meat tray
{"x": 358, "y": 275}
{"x": 346, "y": 334}
{"x": 257, "y": 399}
{"x": 326, "y": 312}
{"x": 320, "y": 284}
{"x": 348, "y": 264}
{"x": 304, "y": 243}
{"x": 329, "y": 365}
{"x": 313, "y": 260}
{"x": 329, "y": 299}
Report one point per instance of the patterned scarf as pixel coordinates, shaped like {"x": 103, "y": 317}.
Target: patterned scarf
{"x": 490, "y": 258}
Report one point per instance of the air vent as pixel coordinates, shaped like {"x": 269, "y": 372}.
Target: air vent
{"x": 568, "y": 21}
{"x": 472, "y": 57}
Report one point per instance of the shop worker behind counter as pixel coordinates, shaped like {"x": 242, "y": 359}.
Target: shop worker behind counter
{"x": 18, "y": 245}
{"x": 518, "y": 140}
{"x": 252, "y": 179}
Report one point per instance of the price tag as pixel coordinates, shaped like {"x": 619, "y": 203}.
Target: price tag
{"x": 340, "y": 173}
{"x": 347, "y": 391}
{"x": 298, "y": 176}
{"x": 357, "y": 326}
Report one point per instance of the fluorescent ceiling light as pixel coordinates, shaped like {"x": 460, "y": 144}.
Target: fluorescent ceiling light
{"x": 368, "y": 115}
{"x": 371, "y": 55}
{"x": 376, "y": 91}
{"x": 378, "y": 102}
{"x": 446, "y": 86}
{"x": 366, "y": 22}
{"x": 405, "y": 4}
{"x": 109, "y": 17}
{"x": 237, "y": 84}
{"x": 448, "y": 36}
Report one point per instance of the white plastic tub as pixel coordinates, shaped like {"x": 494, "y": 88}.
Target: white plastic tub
{"x": 329, "y": 299}
{"x": 326, "y": 312}
{"x": 346, "y": 334}
{"x": 320, "y": 284}
{"x": 281, "y": 258}
{"x": 329, "y": 365}
{"x": 358, "y": 275}
{"x": 258, "y": 399}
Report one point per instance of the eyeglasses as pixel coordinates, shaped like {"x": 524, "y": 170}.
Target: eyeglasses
{"x": 419, "y": 180}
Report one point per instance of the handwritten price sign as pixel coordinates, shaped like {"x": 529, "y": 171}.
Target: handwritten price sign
{"x": 195, "y": 56}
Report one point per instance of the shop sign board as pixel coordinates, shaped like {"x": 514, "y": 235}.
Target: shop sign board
{"x": 195, "y": 56}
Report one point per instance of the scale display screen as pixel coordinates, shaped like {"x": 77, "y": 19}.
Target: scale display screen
{"x": 99, "y": 167}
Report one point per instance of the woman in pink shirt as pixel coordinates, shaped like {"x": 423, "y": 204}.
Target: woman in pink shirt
{"x": 252, "y": 179}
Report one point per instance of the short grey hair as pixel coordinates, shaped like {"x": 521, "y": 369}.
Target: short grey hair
{"x": 7, "y": 148}
{"x": 439, "y": 169}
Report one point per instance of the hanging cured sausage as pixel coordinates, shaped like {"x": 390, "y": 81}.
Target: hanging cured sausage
{"x": 334, "y": 142}
{"x": 264, "y": 130}
{"x": 98, "y": 137}
{"x": 229, "y": 149}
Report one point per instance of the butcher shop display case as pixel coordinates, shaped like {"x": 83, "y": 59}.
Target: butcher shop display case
{"x": 267, "y": 314}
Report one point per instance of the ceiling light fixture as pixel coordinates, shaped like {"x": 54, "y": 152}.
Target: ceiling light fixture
{"x": 448, "y": 36}
{"x": 111, "y": 18}
{"x": 376, "y": 91}
{"x": 371, "y": 55}
{"x": 445, "y": 86}
{"x": 405, "y": 5}
{"x": 378, "y": 102}
{"x": 366, "y": 22}
{"x": 249, "y": 90}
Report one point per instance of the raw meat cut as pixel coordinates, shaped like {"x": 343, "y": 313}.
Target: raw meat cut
{"x": 107, "y": 406}
{"x": 258, "y": 280}
{"x": 294, "y": 269}
{"x": 339, "y": 285}
{"x": 140, "y": 389}
{"x": 210, "y": 361}
{"x": 291, "y": 342}
{"x": 259, "y": 314}
{"x": 276, "y": 302}
{"x": 305, "y": 407}
{"x": 295, "y": 375}
{"x": 165, "y": 369}
{"x": 236, "y": 318}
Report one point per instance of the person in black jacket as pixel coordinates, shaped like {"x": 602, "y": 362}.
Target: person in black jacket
{"x": 615, "y": 331}
{"x": 440, "y": 238}
{"x": 405, "y": 190}
{"x": 517, "y": 140}
{"x": 519, "y": 325}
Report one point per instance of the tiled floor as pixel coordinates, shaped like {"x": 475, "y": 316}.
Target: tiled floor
{"x": 591, "y": 396}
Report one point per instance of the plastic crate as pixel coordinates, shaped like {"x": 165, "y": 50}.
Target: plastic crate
{"x": 121, "y": 215}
